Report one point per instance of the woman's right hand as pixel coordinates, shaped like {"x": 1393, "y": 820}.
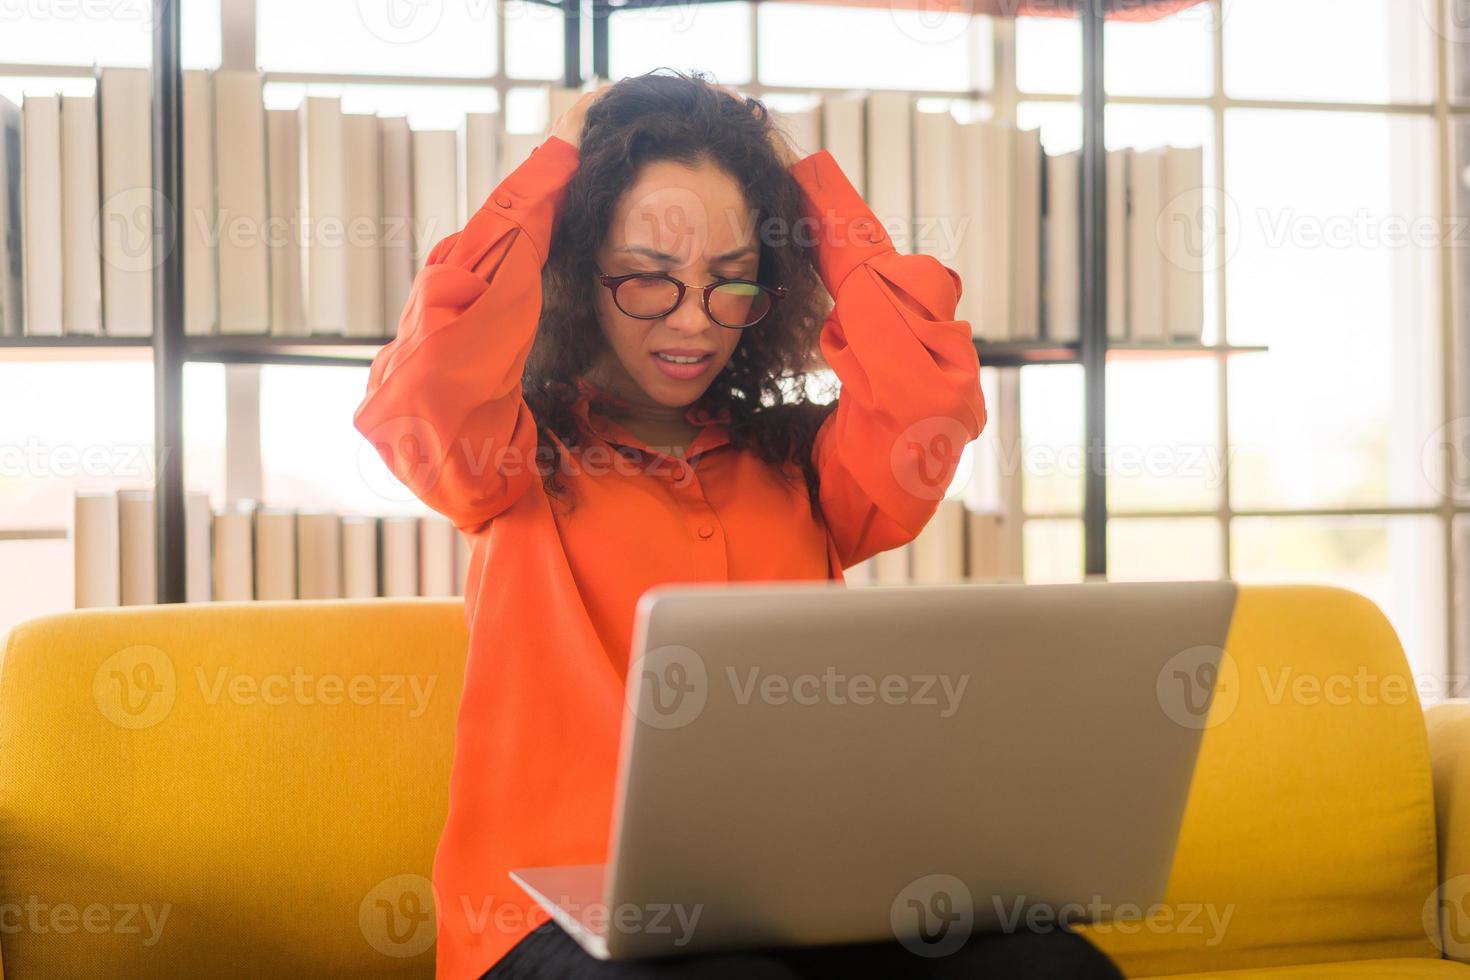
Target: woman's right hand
{"x": 568, "y": 126}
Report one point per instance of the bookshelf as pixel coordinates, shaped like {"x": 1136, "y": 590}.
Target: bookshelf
{"x": 170, "y": 348}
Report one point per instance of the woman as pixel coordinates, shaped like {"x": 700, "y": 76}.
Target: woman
{"x": 601, "y": 379}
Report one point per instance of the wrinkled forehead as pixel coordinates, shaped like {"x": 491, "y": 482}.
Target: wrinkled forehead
{"x": 694, "y": 214}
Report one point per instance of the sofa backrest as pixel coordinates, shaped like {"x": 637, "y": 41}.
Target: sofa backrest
{"x": 1309, "y": 834}
{"x": 227, "y": 789}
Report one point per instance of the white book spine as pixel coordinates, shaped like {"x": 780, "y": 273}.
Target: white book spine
{"x": 319, "y": 556}
{"x": 988, "y": 161}
{"x": 283, "y": 137}
{"x": 127, "y": 201}
{"x": 364, "y": 226}
{"x": 891, "y": 567}
{"x": 515, "y": 149}
{"x": 463, "y": 549}
{"x": 1063, "y": 258}
{"x": 984, "y": 544}
{"x": 81, "y": 265}
{"x": 1026, "y": 236}
{"x": 435, "y": 195}
{"x": 96, "y": 550}
{"x": 234, "y": 555}
{"x": 139, "y": 584}
{"x": 359, "y": 557}
{"x": 844, "y": 135}
{"x": 802, "y": 128}
{"x": 1145, "y": 254}
{"x": 41, "y": 214}
{"x": 938, "y": 211}
{"x": 275, "y": 553}
{"x": 323, "y": 200}
{"x": 398, "y": 220}
{"x": 197, "y": 534}
{"x": 436, "y": 556}
{"x": 476, "y": 161}
{"x": 939, "y": 549}
{"x": 201, "y": 238}
{"x": 1183, "y": 231}
{"x": 12, "y": 280}
{"x": 1118, "y": 244}
{"x": 890, "y": 191}
{"x": 400, "y": 556}
{"x": 860, "y": 574}
{"x": 245, "y": 230}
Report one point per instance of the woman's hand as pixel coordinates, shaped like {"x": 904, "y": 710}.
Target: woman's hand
{"x": 779, "y": 143}
{"x": 568, "y": 126}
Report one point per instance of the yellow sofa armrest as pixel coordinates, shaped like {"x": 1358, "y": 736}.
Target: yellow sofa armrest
{"x": 1449, "y": 748}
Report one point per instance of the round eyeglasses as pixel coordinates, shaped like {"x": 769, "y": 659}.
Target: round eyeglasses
{"x": 733, "y": 303}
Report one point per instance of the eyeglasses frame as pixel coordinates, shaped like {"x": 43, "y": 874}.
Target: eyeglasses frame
{"x": 613, "y": 282}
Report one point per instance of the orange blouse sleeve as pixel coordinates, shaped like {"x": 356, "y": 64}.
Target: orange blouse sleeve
{"x": 443, "y": 406}
{"x": 910, "y": 395}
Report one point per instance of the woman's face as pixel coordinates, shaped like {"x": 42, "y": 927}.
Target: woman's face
{"x": 692, "y": 224}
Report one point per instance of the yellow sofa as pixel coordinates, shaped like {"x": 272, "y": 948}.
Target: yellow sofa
{"x": 255, "y": 789}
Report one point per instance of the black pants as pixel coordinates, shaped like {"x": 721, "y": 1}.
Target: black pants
{"x": 548, "y": 953}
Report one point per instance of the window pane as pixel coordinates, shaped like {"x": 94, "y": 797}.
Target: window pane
{"x": 1051, "y": 439}
{"x": 534, "y": 47}
{"x": 1335, "y": 267}
{"x": 713, "y": 37}
{"x": 1163, "y": 435}
{"x": 311, "y": 455}
{"x": 1397, "y": 562}
{"x": 879, "y": 48}
{"x": 1172, "y": 57}
{"x": 376, "y": 38}
{"x": 38, "y": 579}
{"x": 1164, "y": 549}
{"x": 1329, "y": 50}
{"x": 1053, "y": 551}
{"x": 116, "y": 34}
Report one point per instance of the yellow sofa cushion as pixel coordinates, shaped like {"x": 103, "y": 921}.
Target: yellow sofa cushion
{"x": 1309, "y": 834}
{"x": 1395, "y": 969}
{"x": 257, "y": 784}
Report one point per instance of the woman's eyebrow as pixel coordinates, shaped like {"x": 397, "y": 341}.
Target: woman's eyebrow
{"x": 658, "y": 256}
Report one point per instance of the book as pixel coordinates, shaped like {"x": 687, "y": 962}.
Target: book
{"x": 137, "y": 549}
{"x": 201, "y": 220}
{"x": 398, "y": 242}
{"x": 81, "y": 269}
{"x": 244, "y": 212}
{"x": 233, "y": 560}
{"x": 435, "y": 195}
{"x": 860, "y": 574}
{"x": 359, "y": 557}
{"x": 515, "y": 149}
{"x": 319, "y": 553}
{"x": 283, "y": 180}
{"x": 938, "y": 551}
{"x": 399, "y": 558}
{"x": 40, "y": 170}
{"x": 463, "y": 548}
{"x": 197, "y": 532}
{"x": 436, "y": 556}
{"x": 801, "y": 127}
{"x": 275, "y": 553}
{"x": 12, "y": 254}
{"x": 364, "y": 204}
{"x": 1183, "y": 233}
{"x": 1118, "y": 244}
{"x": 1063, "y": 247}
{"x": 96, "y": 549}
{"x": 323, "y": 215}
{"x": 844, "y": 135}
{"x": 126, "y": 126}
{"x": 938, "y": 192}
{"x": 987, "y": 266}
{"x": 891, "y": 567}
{"x": 1146, "y": 311}
{"x": 984, "y": 544}
{"x": 477, "y": 152}
{"x": 890, "y": 183}
{"x": 1026, "y": 216}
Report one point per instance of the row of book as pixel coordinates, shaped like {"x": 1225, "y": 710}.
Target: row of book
{"x": 252, "y": 551}
{"x": 958, "y": 544}
{"x": 296, "y": 222}
{"x": 312, "y": 221}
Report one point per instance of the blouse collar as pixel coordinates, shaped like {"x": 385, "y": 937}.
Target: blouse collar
{"x": 587, "y": 392}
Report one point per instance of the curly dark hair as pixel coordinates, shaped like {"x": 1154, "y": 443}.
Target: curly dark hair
{"x": 688, "y": 120}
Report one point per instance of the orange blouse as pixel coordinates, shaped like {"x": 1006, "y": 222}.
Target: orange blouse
{"x": 550, "y": 596}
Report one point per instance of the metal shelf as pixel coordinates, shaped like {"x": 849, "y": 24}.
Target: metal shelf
{"x": 1010, "y": 354}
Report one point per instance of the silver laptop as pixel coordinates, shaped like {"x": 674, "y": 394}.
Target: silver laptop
{"x": 808, "y": 763}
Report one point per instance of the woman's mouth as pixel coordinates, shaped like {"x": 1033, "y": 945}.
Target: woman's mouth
{"x": 683, "y": 365}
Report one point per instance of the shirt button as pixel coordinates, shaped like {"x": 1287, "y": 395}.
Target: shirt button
{"x": 706, "y": 531}
{"x": 503, "y": 200}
